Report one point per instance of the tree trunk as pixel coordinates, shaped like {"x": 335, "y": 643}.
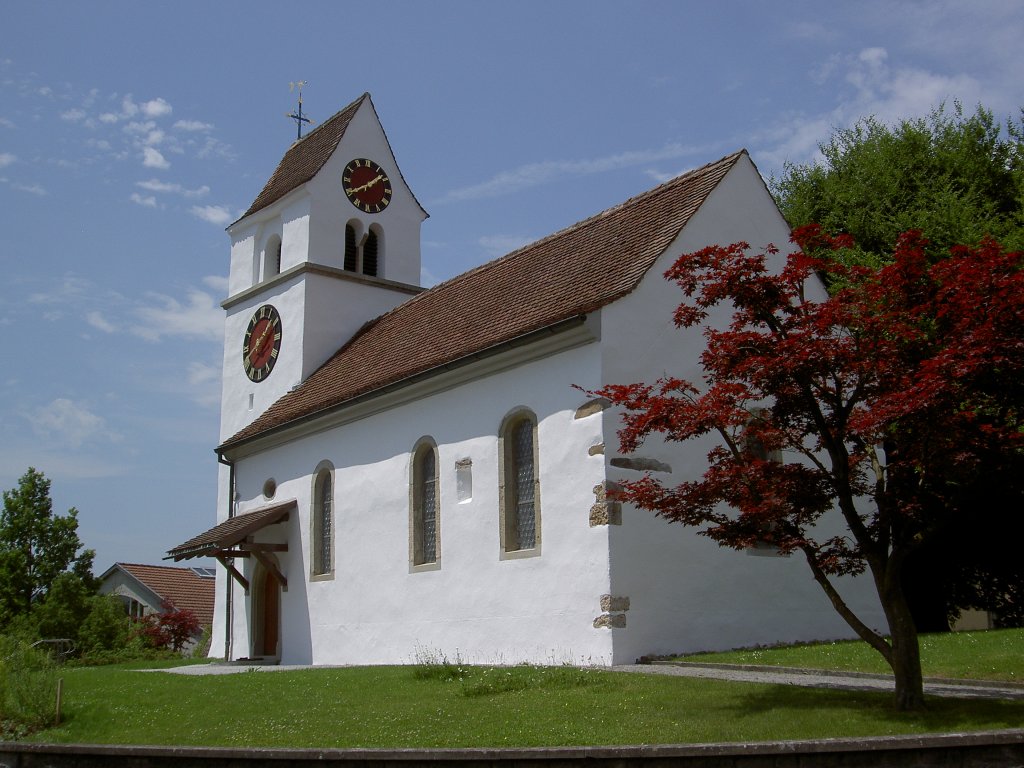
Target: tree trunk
{"x": 905, "y": 658}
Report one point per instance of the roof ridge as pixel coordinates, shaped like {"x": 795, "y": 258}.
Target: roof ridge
{"x": 581, "y": 224}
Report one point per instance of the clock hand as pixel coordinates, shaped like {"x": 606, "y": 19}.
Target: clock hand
{"x": 367, "y": 185}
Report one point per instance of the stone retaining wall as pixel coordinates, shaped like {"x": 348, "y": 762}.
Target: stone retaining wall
{"x": 993, "y": 749}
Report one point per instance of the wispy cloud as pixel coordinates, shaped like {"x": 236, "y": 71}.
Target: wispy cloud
{"x": 193, "y": 125}
{"x": 146, "y": 201}
{"x": 98, "y": 321}
{"x": 69, "y": 423}
{"x": 6, "y": 158}
{"x": 198, "y": 317}
{"x": 155, "y": 185}
{"x": 535, "y": 174}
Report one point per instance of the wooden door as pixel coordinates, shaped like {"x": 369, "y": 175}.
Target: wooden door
{"x": 271, "y": 614}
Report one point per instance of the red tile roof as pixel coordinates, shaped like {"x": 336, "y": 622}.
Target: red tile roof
{"x": 180, "y": 586}
{"x": 565, "y": 275}
{"x": 306, "y": 157}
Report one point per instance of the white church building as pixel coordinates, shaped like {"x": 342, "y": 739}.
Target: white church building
{"x": 409, "y": 471}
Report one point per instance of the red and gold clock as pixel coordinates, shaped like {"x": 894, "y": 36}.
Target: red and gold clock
{"x": 366, "y": 185}
{"x": 262, "y": 343}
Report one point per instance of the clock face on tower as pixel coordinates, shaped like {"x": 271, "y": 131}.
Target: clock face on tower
{"x": 262, "y": 343}
{"x": 367, "y": 186}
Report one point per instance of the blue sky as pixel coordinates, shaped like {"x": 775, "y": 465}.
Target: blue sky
{"x": 132, "y": 133}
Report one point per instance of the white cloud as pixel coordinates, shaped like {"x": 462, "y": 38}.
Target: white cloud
{"x": 201, "y": 317}
{"x": 215, "y": 214}
{"x": 146, "y": 201}
{"x": 218, "y": 283}
{"x": 33, "y": 189}
{"x": 69, "y": 423}
{"x": 96, "y": 320}
{"x": 70, "y": 287}
{"x": 193, "y": 125}
{"x": 156, "y": 108}
{"x": 73, "y": 115}
{"x": 6, "y": 122}
{"x": 6, "y": 158}
{"x": 869, "y": 85}
{"x": 152, "y": 158}
{"x": 155, "y": 185}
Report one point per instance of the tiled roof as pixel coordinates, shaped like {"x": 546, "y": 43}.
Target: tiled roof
{"x": 231, "y": 532}
{"x": 180, "y": 586}
{"x": 306, "y": 157}
{"x": 565, "y": 275}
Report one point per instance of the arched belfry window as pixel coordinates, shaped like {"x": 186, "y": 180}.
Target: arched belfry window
{"x": 370, "y": 251}
{"x": 351, "y": 248}
{"x": 321, "y": 539}
{"x": 272, "y": 257}
{"x": 363, "y": 250}
{"x": 425, "y": 505}
{"x": 519, "y": 489}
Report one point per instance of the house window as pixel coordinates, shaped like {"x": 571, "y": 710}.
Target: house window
{"x": 322, "y": 522}
{"x": 425, "y": 503}
{"x": 519, "y": 490}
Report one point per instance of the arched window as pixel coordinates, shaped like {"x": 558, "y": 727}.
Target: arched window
{"x": 519, "y": 489}
{"x": 370, "y": 253}
{"x": 272, "y": 257}
{"x": 425, "y": 504}
{"x": 351, "y": 248}
{"x": 322, "y": 522}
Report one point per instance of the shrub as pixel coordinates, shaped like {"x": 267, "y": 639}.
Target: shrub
{"x": 28, "y": 687}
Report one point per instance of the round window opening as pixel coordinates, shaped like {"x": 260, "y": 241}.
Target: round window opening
{"x": 270, "y": 488}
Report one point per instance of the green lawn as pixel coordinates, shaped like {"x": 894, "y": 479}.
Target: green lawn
{"x": 992, "y": 655}
{"x": 477, "y": 706}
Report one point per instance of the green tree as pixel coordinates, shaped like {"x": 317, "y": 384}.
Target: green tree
{"x": 36, "y": 547}
{"x": 957, "y": 179}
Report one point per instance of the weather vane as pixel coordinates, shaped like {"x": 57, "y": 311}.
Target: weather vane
{"x": 297, "y": 116}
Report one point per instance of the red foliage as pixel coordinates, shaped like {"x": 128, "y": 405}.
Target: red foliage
{"x": 887, "y": 397}
{"x": 171, "y": 628}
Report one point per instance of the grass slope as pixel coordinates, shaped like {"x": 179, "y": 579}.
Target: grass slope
{"x": 477, "y": 707}
{"x": 993, "y": 655}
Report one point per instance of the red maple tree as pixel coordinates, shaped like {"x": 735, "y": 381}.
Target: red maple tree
{"x": 888, "y": 399}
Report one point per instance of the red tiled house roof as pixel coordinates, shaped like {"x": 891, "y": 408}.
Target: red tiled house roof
{"x": 563, "y": 276}
{"x": 180, "y": 586}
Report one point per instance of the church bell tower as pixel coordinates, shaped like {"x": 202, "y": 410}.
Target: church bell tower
{"x": 331, "y": 242}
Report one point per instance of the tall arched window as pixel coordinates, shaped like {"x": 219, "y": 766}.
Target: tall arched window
{"x": 519, "y": 485}
{"x": 322, "y": 522}
{"x": 425, "y": 504}
{"x": 370, "y": 252}
{"x": 351, "y": 248}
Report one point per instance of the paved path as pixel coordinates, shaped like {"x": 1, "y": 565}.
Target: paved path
{"x": 849, "y": 681}
{"x": 811, "y": 678}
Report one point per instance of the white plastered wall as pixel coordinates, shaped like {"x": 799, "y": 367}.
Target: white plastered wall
{"x": 476, "y": 606}
{"x": 686, "y": 593}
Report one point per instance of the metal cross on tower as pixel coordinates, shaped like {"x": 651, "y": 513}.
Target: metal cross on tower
{"x": 297, "y": 116}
